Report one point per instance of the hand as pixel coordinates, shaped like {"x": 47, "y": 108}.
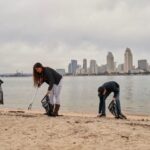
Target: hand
{"x": 104, "y": 91}
{"x": 114, "y": 99}
{"x": 48, "y": 93}
{"x": 39, "y": 85}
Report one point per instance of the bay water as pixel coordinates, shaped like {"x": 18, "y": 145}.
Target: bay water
{"x": 79, "y": 93}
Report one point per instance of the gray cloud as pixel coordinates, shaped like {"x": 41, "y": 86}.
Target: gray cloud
{"x": 53, "y": 32}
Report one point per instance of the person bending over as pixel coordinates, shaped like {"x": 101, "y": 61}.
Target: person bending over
{"x": 43, "y": 74}
{"x": 103, "y": 92}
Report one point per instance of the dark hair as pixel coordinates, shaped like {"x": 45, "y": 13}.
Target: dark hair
{"x": 36, "y": 76}
{"x": 101, "y": 90}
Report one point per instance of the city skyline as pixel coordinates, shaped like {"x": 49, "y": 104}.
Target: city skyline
{"x": 110, "y": 66}
{"x": 85, "y": 64}
{"x": 53, "y": 32}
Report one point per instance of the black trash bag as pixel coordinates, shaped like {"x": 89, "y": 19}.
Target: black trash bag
{"x": 113, "y": 109}
{"x": 45, "y": 104}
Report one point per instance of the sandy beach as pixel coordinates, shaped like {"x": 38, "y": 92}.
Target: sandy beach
{"x": 30, "y": 130}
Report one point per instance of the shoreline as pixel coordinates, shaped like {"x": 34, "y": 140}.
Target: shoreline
{"x": 82, "y": 75}
{"x": 69, "y": 114}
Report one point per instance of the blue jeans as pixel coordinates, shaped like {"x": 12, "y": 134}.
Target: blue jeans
{"x": 118, "y": 104}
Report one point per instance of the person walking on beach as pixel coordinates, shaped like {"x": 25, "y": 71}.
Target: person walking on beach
{"x": 1, "y": 92}
{"x": 103, "y": 92}
{"x": 43, "y": 74}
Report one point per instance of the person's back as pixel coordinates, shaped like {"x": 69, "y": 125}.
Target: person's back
{"x": 110, "y": 86}
{"x": 51, "y": 75}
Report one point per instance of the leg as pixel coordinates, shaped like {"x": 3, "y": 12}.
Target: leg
{"x": 50, "y": 100}
{"x": 100, "y": 105}
{"x": 51, "y": 96}
{"x": 57, "y": 91}
{"x": 104, "y": 107}
{"x": 120, "y": 115}
{"x": 118, "y": 104}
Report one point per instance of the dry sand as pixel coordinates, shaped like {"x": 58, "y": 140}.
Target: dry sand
{"x": 21, "y": 130}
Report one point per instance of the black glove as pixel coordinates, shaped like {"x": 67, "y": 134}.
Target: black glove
{"x": 113, "y": 109}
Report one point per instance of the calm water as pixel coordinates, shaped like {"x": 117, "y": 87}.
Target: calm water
{"x": 79, "y": 94}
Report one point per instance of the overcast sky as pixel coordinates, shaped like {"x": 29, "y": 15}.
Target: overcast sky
{"x": 55, "y": 31}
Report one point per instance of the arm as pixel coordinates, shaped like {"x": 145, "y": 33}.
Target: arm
{"x": 101, "y": 102}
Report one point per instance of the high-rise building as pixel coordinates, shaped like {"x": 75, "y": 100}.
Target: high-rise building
{"x": 143, "y": 64}
{"x": 93, "y": 67}
{"x": 149, "y": 68}
{"x": 128, "y": 60}
{"x": 85, "y": 66}
{"x": 120, "y": 68}
{"x": 80, "y": 70}
{"x": 110, "y": 63}
{"x": 72, "y": 67}
{"x": 102, "y": 69}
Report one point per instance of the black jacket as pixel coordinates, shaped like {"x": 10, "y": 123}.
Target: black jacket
{"x": 51, "y": 77}
{"x": 111, "y": 86}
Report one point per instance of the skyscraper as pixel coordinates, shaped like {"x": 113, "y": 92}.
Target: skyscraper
{"x": 85, "y": 65}
{"x": 128, "y": 58}
{"x": 93, "y": 67}
{"x": 110, "y": 63}
{"x": 143, "y": 64}
{"x": 120, "y": 68}
{"x": 72, "y": 67}
{"x": 102, "y": 69}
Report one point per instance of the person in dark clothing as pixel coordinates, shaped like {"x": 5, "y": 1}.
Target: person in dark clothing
{"x": 103, "y": 92}
{"x": 1, "y": 92}
{"x": 43, "y": 74}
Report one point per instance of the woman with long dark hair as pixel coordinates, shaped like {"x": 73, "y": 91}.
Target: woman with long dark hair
{"x": 43, "y": 74}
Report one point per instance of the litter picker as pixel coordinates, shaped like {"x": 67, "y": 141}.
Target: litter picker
{"x": 33, "y": 99}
